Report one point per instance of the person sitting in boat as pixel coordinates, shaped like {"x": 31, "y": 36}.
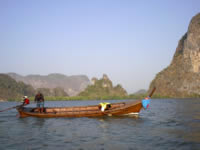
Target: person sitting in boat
{"x": 25, "y": 101}
{"x": 39, "y": 99}
{"x": 104, "y": 106}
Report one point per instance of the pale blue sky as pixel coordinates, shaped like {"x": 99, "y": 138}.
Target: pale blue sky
{"x": 129, "y": 40}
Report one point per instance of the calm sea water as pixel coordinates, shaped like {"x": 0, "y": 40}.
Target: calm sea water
{"x": 167, "y": 124}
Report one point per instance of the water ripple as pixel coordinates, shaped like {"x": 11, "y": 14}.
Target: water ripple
{"x": 168, "y": 124}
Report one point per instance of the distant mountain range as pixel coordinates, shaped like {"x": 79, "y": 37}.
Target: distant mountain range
{"x": 72, "y": 85}
{"x": 142, "y": 91}
{"x": 13, "y": 86}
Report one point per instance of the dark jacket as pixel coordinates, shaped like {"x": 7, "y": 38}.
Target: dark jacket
{"x": 39, "y": 97}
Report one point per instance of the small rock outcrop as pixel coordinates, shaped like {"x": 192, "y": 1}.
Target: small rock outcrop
{"x": 182, "y": 77}
{"x": 103, "y": 89}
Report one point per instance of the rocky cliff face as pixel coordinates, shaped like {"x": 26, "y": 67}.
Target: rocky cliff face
{"x": 72, "y": 85}
{"x": 182, "y": 77}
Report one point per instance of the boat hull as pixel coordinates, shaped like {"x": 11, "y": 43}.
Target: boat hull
{"x": 117, "y": 109}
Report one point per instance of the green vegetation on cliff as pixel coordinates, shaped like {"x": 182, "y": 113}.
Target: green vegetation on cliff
{"x": 103, "y": 89}
{"x": 72, "y": 85}
{"x": 12, "y": 90}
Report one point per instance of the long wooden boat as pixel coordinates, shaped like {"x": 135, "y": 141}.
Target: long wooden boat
{"x": 115, "y": 109}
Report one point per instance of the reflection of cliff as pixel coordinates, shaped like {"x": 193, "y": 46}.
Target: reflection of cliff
{"x": 182, "y": 77}
{"x": 102, "y": 88}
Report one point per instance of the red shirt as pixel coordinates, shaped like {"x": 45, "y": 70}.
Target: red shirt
{"x": 26, "y": 101}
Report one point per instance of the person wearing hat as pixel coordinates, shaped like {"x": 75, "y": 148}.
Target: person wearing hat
{"x": 25, "y": 101}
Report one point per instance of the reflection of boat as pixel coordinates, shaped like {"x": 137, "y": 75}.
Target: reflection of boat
{"x": 115, "y": 109}
{"x": 123, "y": 108}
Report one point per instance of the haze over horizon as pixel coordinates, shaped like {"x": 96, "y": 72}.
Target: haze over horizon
{"x": 130, "y": 41}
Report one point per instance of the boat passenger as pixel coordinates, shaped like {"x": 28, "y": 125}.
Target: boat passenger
{"x": 104, "y": 106}
{"x": 25, "y": 101}
{"x": 39, "y": 99}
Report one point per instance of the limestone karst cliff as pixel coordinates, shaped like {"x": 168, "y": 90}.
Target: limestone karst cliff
{"x": 182, "y": 77}
{"x": 103, "y": 88}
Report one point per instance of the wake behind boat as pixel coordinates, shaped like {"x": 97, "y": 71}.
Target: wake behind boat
{"x": 114, "y": 109}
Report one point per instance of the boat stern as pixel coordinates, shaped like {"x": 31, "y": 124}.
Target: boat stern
{"x": 22, "y": 114}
